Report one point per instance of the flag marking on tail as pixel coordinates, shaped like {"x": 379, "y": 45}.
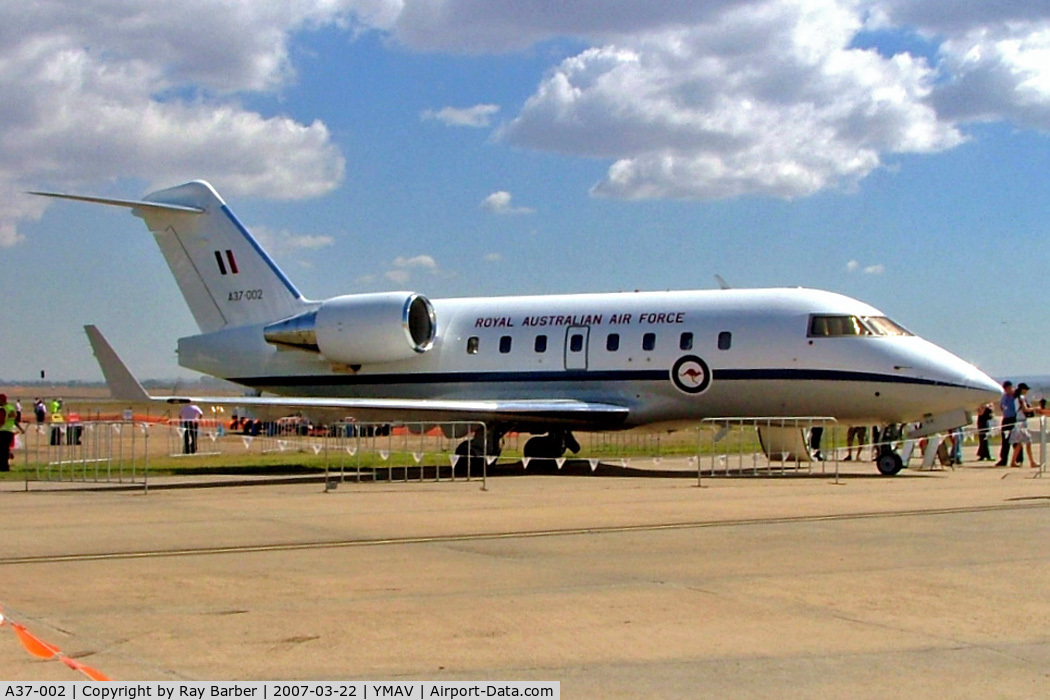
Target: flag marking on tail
{"x": 222, "y": 264}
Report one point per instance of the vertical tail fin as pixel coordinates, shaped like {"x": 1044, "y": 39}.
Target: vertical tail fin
{"x": 225, "y": 276}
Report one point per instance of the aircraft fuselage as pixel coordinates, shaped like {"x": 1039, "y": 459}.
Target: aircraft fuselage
{"x": 672, "y": 357}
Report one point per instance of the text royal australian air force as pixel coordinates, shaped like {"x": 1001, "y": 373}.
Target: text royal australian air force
{"x": 615, "y": 319}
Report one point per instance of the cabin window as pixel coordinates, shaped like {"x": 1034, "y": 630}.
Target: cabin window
{"x": 685, "y": 342}
{"x": 540, "y": 344}
{"x": 612, "y": 342}
{"x": 504, "y": 344}
{"x": 725, "y": 340}
{"x": 649, "y": 342}
{"x": 576, "y": 343}
{"x": 472, "y": 345}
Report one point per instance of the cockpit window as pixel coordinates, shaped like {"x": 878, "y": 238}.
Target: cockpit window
{"x": 821, "y": 326}
{"x": 880, "y": 325}
{"x": 836, "y": 326}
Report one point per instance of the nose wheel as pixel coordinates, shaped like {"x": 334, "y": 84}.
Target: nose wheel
{"x": 889, "y": 462}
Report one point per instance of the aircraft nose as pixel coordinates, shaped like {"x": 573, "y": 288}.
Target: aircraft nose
{"x": 984, "y": 388}
{"x": 960, "y": 384}
{"x": 963, "y": 386}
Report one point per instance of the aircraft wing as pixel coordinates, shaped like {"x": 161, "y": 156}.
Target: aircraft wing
{"x": 532, "y": 411}
{"x": 125, "y": 387}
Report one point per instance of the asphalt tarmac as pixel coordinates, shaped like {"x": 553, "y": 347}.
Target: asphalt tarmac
{"x": 928, "y": 584}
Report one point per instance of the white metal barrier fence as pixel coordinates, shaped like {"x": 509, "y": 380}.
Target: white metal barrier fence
{"x": 120, "y": 452}
{"x": 405, "y": 452}
{"x": 773, "y": 444}
{"x": 349, "y": 449}
{"x": 89, "y": 451}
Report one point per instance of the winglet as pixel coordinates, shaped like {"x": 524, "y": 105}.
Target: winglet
{"x": 122, "y": 384}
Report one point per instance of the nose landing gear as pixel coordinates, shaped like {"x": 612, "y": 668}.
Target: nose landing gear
{"x": 889, "y": 462}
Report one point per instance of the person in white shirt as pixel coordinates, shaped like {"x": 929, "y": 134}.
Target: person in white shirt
{"x": 190, "y": 415}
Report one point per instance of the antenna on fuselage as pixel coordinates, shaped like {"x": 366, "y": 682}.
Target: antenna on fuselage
{"x": 722, "y": 284}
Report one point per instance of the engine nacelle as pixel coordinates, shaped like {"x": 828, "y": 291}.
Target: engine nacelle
{"x": 359, "y": 329}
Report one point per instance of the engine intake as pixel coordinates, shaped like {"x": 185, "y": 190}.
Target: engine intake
{"x": 359, "y": 329}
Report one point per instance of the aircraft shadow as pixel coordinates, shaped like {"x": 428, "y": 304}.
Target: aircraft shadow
{"x": 536, "y": 467}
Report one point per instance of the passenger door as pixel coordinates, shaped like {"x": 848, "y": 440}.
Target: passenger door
{"x": 577, "y": 338}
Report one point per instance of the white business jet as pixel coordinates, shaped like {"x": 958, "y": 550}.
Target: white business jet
{"x": 544, "y": 365}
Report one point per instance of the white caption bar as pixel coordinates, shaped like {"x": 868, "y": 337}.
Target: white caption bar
{"x": 272, "y": 690}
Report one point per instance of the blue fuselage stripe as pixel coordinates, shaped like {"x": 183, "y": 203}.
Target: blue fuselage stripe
{"x": 575, "y": 376}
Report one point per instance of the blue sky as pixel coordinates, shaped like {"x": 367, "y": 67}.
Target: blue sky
{"x": 891, "y": 150}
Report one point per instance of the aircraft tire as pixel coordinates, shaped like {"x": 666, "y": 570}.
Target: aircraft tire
{"x": 544, "y": 447}
{"x": 889, "y": 463}
{"x": 471, "y": 461}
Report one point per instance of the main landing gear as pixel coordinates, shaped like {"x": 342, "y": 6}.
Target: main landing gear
{"x": 488, "y": 444}
{"x": 551, "y": 446}
{"x": 472, "y": 453}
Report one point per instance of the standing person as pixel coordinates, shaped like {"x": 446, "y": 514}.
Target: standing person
{"x": 1019, "y": 435}
{"x": 815, "y": 436}
{"x": 8, "y": 426}
{"x": 858, "y": 432}
{"x": 190, "y": 415}
{"x": 1009, "y": 410}
{"x": 955, "y": 455}
{"x": 984, "y": 425}
{"x": 40, "y": 410}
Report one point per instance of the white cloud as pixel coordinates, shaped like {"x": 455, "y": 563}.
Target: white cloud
{"x": 998, "y": 72}
{"x": 399, "y": 276}
{"x": 478, "y": 116}
{"x": 403, "y": 268}
{"x": 723, "y": 98}
{"x": 501, "y": 203}
{"x": 95, "y": 91}
{"x": 501, "y": 26}
{"x": 425, "y": 262}
{"x": 493, "y": 257}
{"x": 278, "y": 242}
{"x": 683, "y": 99}
{"x": 853, "y": 266}
{"x": 767, "y": 99}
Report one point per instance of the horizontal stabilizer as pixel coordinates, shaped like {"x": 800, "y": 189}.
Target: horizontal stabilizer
{"x": 224, "y": 274}
{"x": 122, "y": 384}
{"x": 127, "y": 203}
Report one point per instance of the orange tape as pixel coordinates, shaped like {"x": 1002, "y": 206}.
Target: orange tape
{"x": 42, "y": 650}
{"x": 86, "y": 670}
{"x": 36, "y": 647}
